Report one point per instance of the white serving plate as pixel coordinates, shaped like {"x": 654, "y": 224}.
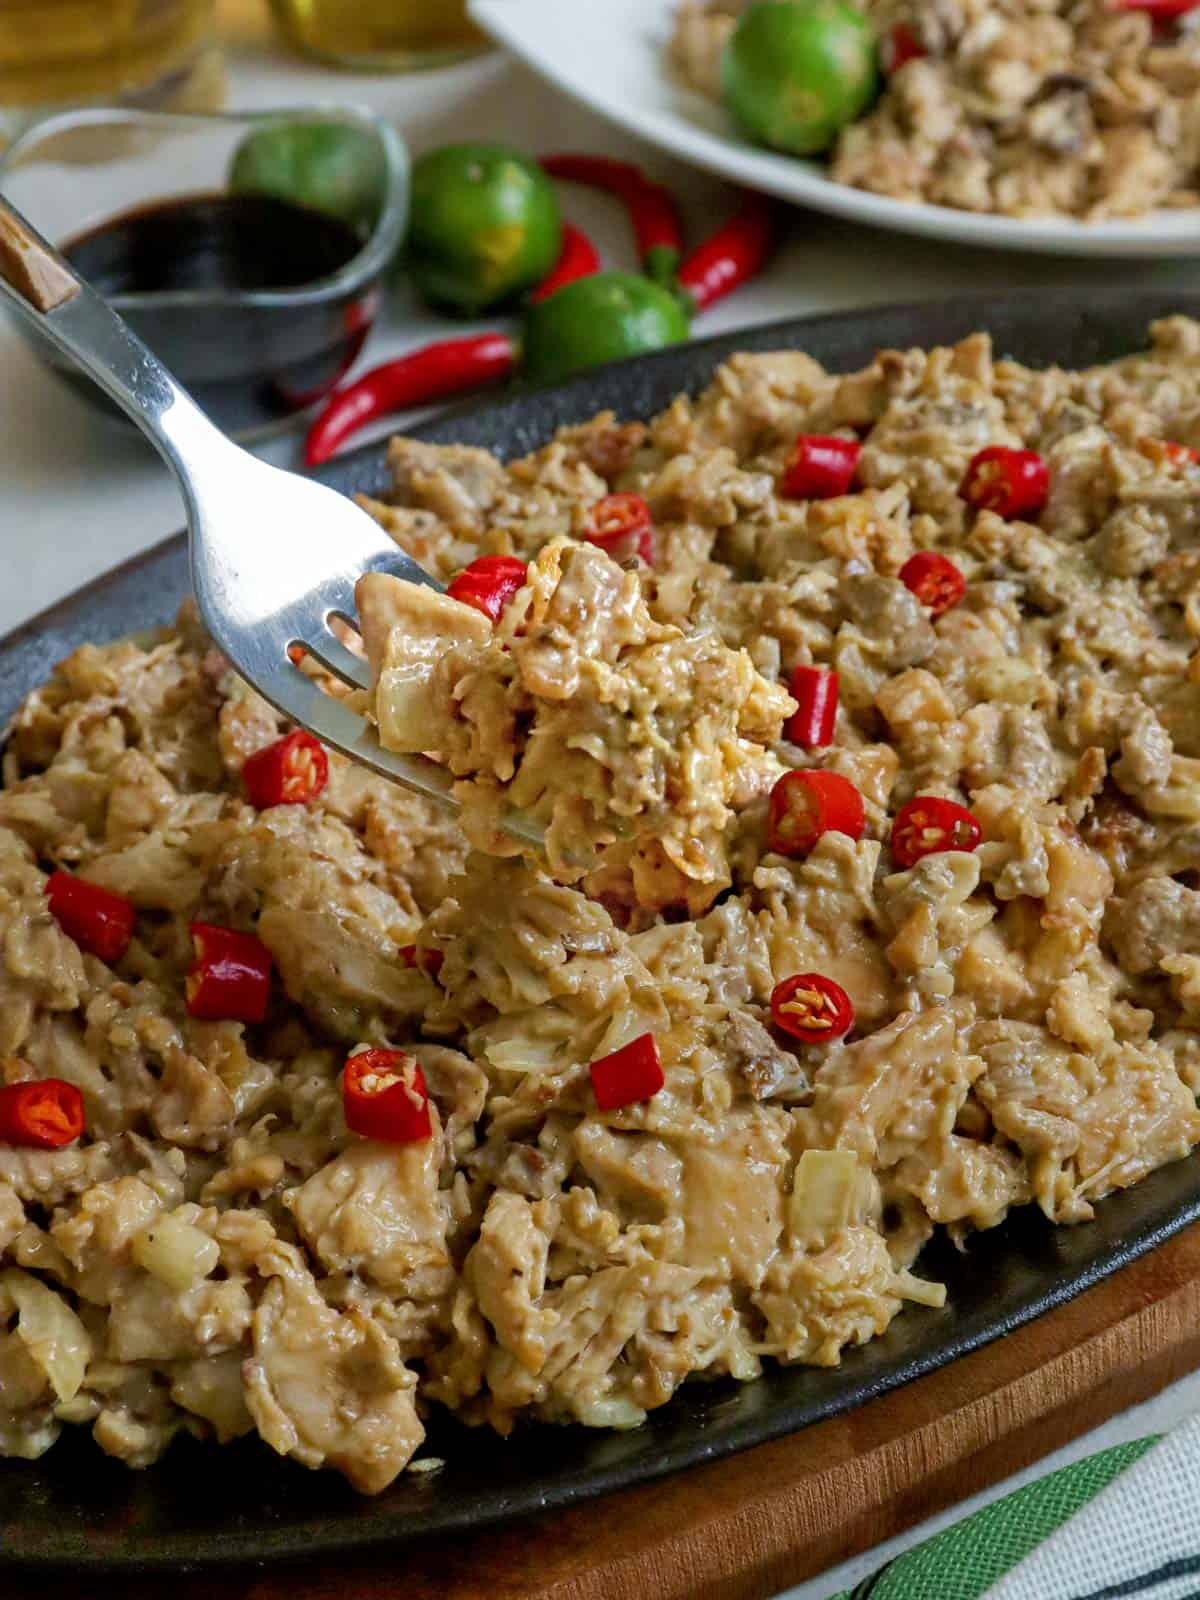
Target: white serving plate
{"x": 608, "y": 54}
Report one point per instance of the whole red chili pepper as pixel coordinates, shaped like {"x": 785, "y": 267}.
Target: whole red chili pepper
{"x": 632, "y": 1073}
{"x": 736, "y": 252}
{"x": 821, "y": 467}
{"x": 384, "y": 1096}
{"x": 578, "y": 258}
{"x": 928, "y": 825}
{"x": 621, "y": 524}
{"x": 934, "y": 579}
{"x": 898, "y": 47}
{"x": 812, "y": 1008}
{"x": 488, "y": 584}
{"x": 427, "y": 961}
{"x": 808, "y": 803}
{"x": 40, "y": 1114}
{"x": 815, "y": 691}
{"x": 290, "y": 772}
{"x": 1012, "y": 483}
{"x": 650, "y": 205}
{"x": 230, "y": 978}
{"x": 98, "y": 920}
{"x": 452, "y": 366}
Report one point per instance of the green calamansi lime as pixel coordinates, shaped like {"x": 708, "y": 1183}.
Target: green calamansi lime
{"x": 329, "y": 166}
{"x": 795, "y": 72}
{"x": 484, "y": 226}
{"x": 601, "y": 318}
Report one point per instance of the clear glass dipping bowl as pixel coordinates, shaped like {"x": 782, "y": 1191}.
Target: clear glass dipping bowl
{"x": 252, "y": 358}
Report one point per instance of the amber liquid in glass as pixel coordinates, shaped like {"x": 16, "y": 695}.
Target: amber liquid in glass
{"x": 380, "y": 33}
{"x": 69, "y": 52}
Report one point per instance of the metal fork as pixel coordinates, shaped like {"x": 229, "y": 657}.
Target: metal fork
{"x": 274, "y": 557}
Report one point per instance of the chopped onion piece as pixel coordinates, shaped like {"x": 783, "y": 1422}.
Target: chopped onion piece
{"x": 49, "y": 1330}
{"x": 824, "y": 1192}
{"x": 175, "y": 1251}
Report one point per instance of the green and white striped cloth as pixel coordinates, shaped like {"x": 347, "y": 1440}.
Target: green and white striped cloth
{"x": 1120, "y": 1525}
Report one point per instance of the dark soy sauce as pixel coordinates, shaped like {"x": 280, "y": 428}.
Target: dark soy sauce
{"x": 212, "y": 242}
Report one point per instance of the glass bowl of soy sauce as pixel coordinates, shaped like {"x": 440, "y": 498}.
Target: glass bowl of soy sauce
{"x": 248, "y": 250}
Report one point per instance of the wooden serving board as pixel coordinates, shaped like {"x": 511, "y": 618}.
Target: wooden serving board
{"x": 747, "y": 1527}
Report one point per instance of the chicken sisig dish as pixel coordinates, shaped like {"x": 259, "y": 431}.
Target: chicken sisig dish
{"x": 1019, "y": 108}
{"x": 862, "y": 716}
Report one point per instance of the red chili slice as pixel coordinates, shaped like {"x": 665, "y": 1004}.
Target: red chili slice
{"x": 42, "y": 1114}
{"x": 1012, "y": 483}
{"x": 384, "y": 1097}
{"x": 934, "y": 579}
{"x": 620, "y": 526}
{"x": 804, "y": 805}
{"x": 489, "y": 584}
{"x": 632, "y": 1073}
{"x": 822, "y": 466}
{"x": 427, "y": 961}
{"x": 929, "y": 824}
{"x": 898, "y": 47}
{"x": 811, "y": 1008}
{"x": 1160, "y": 10}
{"x": 99, "y": 921}
{"x": 290, "y": 772}
{"x": 1176, "y": 455}
{"x": 230, "y": 978}
{"x": 815, "y": 691}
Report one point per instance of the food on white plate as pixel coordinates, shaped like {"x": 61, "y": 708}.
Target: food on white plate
{"x": 863, "y": 716}
{"x": 1021, "y": 108}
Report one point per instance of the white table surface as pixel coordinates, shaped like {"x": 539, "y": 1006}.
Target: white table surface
{"x": 78, "y": 494}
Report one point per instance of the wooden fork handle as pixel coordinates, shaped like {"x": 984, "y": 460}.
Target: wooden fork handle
{"x": 29, "y": 267}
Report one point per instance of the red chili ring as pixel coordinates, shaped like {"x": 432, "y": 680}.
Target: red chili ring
{"x": 489, "y": 584}
{"x": 621, "y": 526}
{"x": 384, "y": 1096}
{"x": 812, "y": 1008}
{"x": 1012, "y": 483}
{"x": 934, "y": 579}
{"x": 806, "y": 804}
{"x": 928, "y": 825}
{"x": 40, "y": 1114}
{"x": 821, "y": 467}
{"x": 290, "y": 772}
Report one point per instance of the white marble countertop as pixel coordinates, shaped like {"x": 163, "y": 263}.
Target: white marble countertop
{"x": 78, "y": 493}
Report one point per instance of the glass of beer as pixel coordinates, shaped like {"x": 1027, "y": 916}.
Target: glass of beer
{"x": 380, "y": 34}
{"x": 60, "y": 53}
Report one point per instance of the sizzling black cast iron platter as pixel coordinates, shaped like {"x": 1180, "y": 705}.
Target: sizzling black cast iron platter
{"x": 201, "y": 1506}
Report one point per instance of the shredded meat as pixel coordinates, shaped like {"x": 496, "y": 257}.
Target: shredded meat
{"x": 219, "y": 1254}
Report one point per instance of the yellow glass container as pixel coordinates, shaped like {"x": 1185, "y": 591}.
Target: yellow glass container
{"x": 375, "y": 35}
{"x": 150, "y": 53}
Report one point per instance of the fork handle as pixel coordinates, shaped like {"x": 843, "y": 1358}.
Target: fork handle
{"x": 46, "y": 292}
